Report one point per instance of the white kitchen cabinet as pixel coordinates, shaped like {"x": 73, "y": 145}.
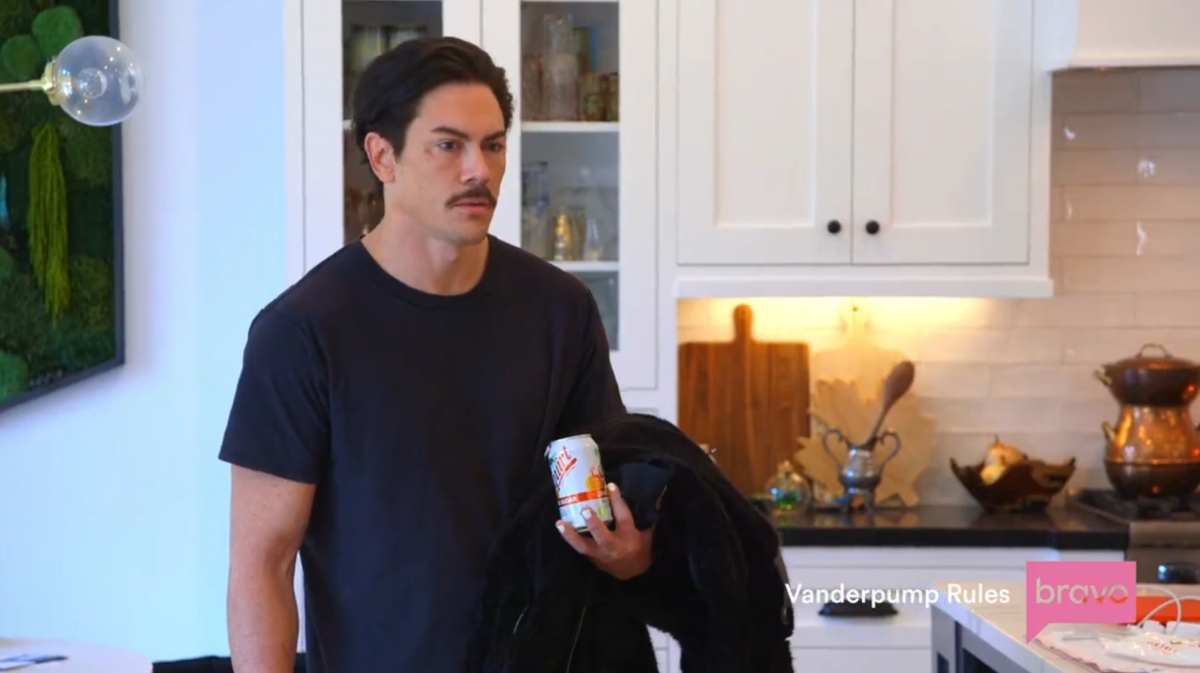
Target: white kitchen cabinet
{"x": 584, "y": 148}
{"x": 858, "y": 146}
{"x": 338, "y": 39}
{"x": 600, "y": 171}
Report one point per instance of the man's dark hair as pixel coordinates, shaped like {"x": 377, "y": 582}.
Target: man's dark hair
{"x": 391, "y": 88}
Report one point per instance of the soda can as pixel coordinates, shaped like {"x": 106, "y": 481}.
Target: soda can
{"x": 578, "y": 479}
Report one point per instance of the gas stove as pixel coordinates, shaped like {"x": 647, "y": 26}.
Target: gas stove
{"x": 1164, "y": 533}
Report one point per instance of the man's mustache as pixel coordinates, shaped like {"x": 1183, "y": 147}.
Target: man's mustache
{"x": 478, "y": 193}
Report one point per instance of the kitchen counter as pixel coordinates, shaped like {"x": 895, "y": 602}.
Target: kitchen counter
{"x": 992, "y": 634}
{"x": 952, "y": 526}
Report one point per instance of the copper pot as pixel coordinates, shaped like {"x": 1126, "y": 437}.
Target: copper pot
{"x": 1154, "y": 447}
{"x": 1141, "y": 380}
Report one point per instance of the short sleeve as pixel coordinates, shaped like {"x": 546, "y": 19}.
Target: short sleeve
{"x": 279, "y": 420}
{"x": 595, "y": 396}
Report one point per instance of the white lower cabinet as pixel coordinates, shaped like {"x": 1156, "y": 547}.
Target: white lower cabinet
{"x": 898, "y": 644}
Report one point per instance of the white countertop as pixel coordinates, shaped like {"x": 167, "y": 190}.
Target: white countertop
{"x": 1002, "y": 626}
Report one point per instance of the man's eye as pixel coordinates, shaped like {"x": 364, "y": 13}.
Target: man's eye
{"x": 496, "y": 147}
{"x": 448, "y": 145}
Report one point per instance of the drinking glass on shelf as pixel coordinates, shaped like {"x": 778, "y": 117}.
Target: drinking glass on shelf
{"x": 566, "y": 234}
{"x": 593, "y": 241}
{"x": 532, "y": 85}
{"x": 560, "y": 74}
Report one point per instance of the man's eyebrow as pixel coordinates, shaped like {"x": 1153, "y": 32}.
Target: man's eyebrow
{"x": 451, "y": 131}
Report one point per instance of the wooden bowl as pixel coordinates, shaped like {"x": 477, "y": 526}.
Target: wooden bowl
{"x": 1028, "y": 486}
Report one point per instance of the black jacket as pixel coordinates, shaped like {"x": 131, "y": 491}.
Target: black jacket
{"x": 716, "y": 584}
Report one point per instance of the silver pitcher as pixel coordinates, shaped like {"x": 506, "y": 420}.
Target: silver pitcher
{"x": 861, "y": 473}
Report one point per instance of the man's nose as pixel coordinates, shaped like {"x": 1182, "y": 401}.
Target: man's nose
{"x": 475, "y": 168}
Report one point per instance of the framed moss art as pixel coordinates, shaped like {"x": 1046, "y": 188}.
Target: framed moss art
{"x": 61, "y": 309}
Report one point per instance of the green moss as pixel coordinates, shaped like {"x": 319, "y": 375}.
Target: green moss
{"x": 90, "y": 221}
{"x": 84, "y": 333}
{"x": 13, "y": 129}
{"x": 16, "y": 168}
{"x": 48, "y": 220}
{"x": 87, "y": 152}
{"x": 91, "y": 294}
{"x": 38, "y": 110}
{"x": 92, "y": 13}
{"x": 14, "y": 375}
{"x": 24, "y": 323}
{"x": 16, "y": 16}
{"x": 55, "y": 28}
{"x": 22, "y": 58}
{"x": 8, "y": 265}
{"x": 84, "y": 337}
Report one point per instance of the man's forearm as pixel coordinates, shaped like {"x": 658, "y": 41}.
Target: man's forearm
{"x": 263, "y": 621}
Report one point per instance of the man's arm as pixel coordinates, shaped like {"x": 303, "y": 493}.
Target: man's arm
{"x": 595, "y": 394}
{"x": 277, "y": 440}
{"x": 269, "y": 517}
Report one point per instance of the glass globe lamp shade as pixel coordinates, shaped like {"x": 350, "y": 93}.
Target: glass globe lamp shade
{"x": 96, "y": 80}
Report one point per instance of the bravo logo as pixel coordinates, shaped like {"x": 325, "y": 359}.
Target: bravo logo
{"x": 1078, "y": 592}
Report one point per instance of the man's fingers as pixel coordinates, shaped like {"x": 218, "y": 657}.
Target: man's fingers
{"x": 620, "y": 508}
{"x": 600, "y": 533}
{"x": 578, "y": 542}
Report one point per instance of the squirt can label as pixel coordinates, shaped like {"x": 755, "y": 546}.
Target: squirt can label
{"x": 578, "y": 479}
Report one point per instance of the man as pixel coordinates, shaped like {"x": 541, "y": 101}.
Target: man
{"x": 392, "y": 402}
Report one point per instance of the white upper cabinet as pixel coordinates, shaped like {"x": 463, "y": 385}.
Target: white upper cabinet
{"x": 885, "y": 146}
{"x": 765, "y": 129}
{"x": 942, "y": 124}
{"x": 579, "y": 191}
{"x": 339, "y": 38}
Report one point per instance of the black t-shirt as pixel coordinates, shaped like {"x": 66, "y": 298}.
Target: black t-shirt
{"x": 418, "y": 417}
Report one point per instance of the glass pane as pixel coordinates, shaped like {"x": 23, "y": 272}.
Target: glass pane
{"x": 570, "y": 97}
{"x": 604, "y": 288}
{"x": 369, "y": 28}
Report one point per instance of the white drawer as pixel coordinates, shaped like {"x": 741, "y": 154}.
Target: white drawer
{"x": 858, "y": 659}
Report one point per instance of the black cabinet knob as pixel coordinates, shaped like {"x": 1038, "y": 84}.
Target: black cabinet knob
{"x": 834, "y": 226}
{"x": 872, "y": 227}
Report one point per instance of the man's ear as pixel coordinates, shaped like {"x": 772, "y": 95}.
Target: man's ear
{"x": 382, "y": 157}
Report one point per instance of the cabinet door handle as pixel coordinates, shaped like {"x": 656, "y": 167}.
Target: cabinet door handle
{"x": 834, "y": 226}
{"x": 872, "y": 227}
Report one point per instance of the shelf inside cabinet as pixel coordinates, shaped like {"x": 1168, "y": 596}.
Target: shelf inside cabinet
{"x": 605, "y": 287}
{"x": 570, "y": 127}
{"x": 570, "y": 144}
{"x": 588, "y": 267}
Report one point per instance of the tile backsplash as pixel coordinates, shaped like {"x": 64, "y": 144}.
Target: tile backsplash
{"x": 1125, "y": 248}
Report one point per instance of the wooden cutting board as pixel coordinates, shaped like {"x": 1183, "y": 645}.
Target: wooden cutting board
{"x": 747, "y": 399}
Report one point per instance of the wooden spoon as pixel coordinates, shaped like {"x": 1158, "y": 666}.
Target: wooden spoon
{"x": 898, "y": 382}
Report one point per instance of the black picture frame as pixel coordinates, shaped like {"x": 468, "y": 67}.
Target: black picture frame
{"x": 117, "y": 267}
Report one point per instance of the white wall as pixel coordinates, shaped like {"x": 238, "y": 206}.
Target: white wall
{"x": 113, "y": 507}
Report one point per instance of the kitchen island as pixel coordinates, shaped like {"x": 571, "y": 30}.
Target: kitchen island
{"x": 904, "y": 551}
{"x": 982, "y": 636}
{"x": 971, "y": 638}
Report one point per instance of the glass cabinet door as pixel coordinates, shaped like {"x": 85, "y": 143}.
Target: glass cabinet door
{"x": 340, "y": 38}
{"x": 579, "y": 189}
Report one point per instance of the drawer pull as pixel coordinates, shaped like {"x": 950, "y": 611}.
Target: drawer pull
{"x": 843, "y": 609}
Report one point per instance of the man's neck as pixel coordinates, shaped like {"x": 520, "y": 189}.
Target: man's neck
{"x": 426, "y": 263}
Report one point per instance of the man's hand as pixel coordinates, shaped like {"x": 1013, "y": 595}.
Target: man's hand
{"x": 625, "y": 552}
